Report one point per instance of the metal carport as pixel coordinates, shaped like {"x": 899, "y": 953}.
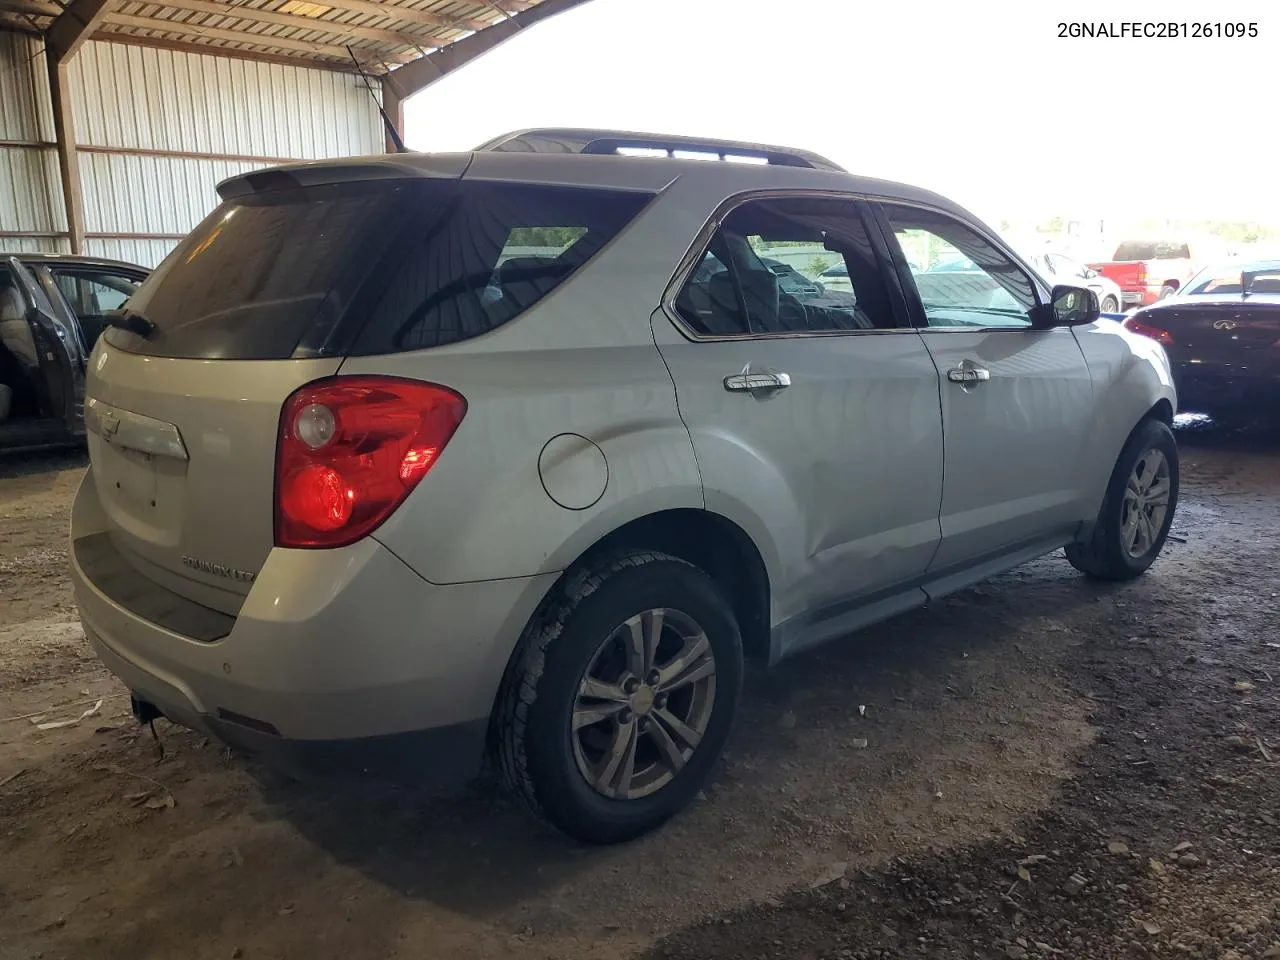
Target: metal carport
{"x": 117, "y": 117}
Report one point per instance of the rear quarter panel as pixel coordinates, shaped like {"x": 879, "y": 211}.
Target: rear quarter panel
{"x": 1131, "y": 375}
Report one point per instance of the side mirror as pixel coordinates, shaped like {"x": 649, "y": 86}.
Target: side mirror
{"x": 1074, "y": 306}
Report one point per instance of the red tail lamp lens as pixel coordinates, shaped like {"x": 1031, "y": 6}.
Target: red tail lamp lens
{"x": 351, "y": 449}
{"x": 1163, "y": 337}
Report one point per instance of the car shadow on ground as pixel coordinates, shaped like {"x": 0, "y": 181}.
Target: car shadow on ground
{"x": 480, "y": 853}
{"x": 15, "y": 464}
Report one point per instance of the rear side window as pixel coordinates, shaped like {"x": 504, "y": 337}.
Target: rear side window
{"x": 368, "y": 267}
{"x": 492, "y": 251}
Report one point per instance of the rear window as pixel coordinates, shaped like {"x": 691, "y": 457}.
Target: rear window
{"x": 1260, "y": 281}
{"x": 371, "y": 267}
{"x": 1152, "y": 250}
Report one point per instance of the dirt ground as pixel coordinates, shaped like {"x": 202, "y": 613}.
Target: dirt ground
{"x": 1039, "y": 767}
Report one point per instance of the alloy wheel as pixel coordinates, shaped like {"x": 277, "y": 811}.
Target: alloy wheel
{"x": 1146, "y": 503}
{"x": 643, "y": 704}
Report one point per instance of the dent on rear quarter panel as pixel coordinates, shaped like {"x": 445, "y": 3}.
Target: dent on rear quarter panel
{"x": 1130, "y": 376}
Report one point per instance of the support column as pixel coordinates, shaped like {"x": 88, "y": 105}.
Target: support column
{"x": 68, "y": 163}
{"x": 393, "y": 105}
{"x": 73, "y": 27}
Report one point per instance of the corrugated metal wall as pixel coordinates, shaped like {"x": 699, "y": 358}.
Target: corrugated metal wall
{"x": 30, "y": 186}
{"x": 156, "y": 130}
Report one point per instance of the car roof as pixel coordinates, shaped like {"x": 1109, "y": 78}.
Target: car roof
{"x": 589, "y": 157}
{"x": 72, "y": 259}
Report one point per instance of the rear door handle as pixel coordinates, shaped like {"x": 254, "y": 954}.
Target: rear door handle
{"x": 753, "y": 382}
{"x": 968, "y": 375}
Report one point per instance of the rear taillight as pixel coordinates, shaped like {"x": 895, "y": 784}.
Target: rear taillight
{"x": 1155, "y": 333}
{"x": 349, "y": 451}
{"x": 1140, "y": 272}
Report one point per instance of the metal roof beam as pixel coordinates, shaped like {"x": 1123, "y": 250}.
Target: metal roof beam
{"x": 299, "y": 22}
{"x": 421, "y": 73}
{"x": 74, "y": 26}
{"x": 391, "y": 11}
{"x": 245, "y": 37}
{"x": 235, "y": 53}
{"x": 30, "y": 8}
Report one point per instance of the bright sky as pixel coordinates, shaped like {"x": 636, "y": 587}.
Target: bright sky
{"x": 979, "y": 100}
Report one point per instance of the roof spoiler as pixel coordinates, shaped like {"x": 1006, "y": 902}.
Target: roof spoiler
{"x": 611, "y": 142}
{"x": 391, "y": 166}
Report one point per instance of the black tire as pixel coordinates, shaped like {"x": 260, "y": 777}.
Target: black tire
{"x": 533, "y": 737}
{"x": 1104, "y": 555}
{"x": 1110, "y": 305}
{"x": 1168, "y": 290}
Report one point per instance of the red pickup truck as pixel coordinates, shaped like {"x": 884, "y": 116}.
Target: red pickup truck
{"x": 1148, "y": 270}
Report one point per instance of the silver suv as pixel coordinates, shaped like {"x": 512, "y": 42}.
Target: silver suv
{"x": 409, "y": 461}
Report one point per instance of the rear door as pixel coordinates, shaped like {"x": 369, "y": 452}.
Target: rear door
{"x": 1017, "y": 402}
{"x": 57, "y": 349}
{"x": 814, "y": 417}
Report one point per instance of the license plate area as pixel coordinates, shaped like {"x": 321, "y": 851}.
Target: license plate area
{"x": 142, "y": 492}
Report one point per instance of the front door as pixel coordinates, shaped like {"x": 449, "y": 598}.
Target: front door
{"x": 813, "y": 410}
{"x": 57, "y": 350}
{"x": 1017, "y": 401}
{"x": 92, "y": 293}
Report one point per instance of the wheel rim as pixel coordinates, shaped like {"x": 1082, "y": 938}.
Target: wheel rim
{"x": 1109, "y": 305}
{"x": 1146, "y": 503}
{"x": 643, "y": 704}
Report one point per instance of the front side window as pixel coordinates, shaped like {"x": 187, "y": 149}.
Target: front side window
{"x": 787, "y": 265}
{"x": 963, "y": 279}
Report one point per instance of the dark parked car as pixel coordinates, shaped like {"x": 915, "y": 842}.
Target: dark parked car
{"x": 52, "y": 309}
{"x": 1222, "y": 335}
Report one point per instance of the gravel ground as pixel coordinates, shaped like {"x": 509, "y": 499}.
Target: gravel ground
{"x": 1038, "y": 767}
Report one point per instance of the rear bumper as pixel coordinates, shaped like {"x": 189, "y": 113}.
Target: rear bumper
{"x": 1204, "y": 390}
{"x": 338, "y": 659}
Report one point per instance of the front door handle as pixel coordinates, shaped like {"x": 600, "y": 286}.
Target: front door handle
{"x": 753, "y": 382}
{"x": 968, "y": 375}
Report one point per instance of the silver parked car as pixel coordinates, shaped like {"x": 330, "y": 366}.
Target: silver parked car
{"x": 364, "y": 489}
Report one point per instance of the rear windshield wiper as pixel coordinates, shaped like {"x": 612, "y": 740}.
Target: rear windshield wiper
{"x": 135, "y": 323}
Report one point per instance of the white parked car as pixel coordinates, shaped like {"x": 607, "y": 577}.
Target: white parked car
{"x": 1058, "y": 268}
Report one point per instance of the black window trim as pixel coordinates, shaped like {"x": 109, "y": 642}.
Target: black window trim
{"x": 920, "y": 321}
{"x": 702, "y": 241}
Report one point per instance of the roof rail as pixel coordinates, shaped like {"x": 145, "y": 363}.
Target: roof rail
{"x": 568, "y": 140}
